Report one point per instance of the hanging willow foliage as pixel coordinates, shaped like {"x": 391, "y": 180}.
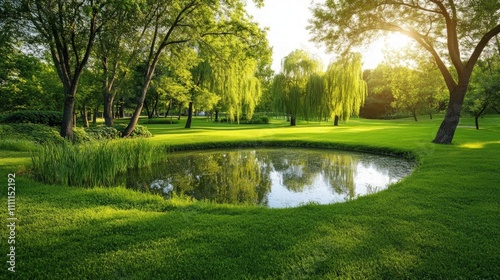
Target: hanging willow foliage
{"x": 289, "y": 87}
{"x": 314, "y": 102}
{"x": 345, "y": 88}
{"x": 236, "y": 84}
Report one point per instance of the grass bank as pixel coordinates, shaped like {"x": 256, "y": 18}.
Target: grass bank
{"x": 442, "y": 222}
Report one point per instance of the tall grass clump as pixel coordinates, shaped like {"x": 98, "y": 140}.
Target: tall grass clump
{"x": 92, "y": 164}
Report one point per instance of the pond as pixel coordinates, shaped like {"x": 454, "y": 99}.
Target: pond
{"x": 276, "y": 178}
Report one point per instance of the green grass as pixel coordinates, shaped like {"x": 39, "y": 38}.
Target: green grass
{"x": 442, "y": 222}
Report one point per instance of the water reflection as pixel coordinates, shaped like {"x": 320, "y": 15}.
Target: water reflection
{"x": 272, "y": 177}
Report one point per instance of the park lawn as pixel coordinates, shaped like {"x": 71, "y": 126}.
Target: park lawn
{"x": 442, "y": 222}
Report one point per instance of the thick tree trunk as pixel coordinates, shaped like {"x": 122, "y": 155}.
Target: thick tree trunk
{"x": 108, "y": 109}
{"x": 190, "y": 115}
{"x": 216, "y": 115}
{"x": 68, "y": 114}
{"x": 336, "y": 120}
{"x": 449, "y": 125}
{"x": 293, "y": 121}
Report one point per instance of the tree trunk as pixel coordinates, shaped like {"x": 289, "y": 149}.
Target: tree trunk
{"x": 138, "y": 109}
{"x": 293, "y": 121}
{"x": 154, "y": 112}
{"x": 216, "y": 115}
{"x": 84, "y": 116}
{"x": 190, "y": 115}
{"x": 336, "y": 120}
{"x": 94, "y": 116}
{"x": 169, "y": 107}
{"x": 108, "y": 109}
{"x": 476, "y": 118}
{"x": 414, "y": 113}
{"x": 146, "y": 105}
{"x": 68, "y": 112}
{"x": 449, "y": 125}
{"x": 120, "y": 111}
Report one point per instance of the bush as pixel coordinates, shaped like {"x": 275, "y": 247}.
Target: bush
{"x": 162, "y": 121}
{"x": 50, "y": 118}
{"x": 103, "y": 133}
{"x": 37, "y": 133}
{"x": 80, "y": 135}
{"x": 260, "y": 120}
{"x": 139, "y": 131}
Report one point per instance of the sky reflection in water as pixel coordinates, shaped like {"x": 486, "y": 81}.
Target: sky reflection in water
{"x": 276, "y": 178}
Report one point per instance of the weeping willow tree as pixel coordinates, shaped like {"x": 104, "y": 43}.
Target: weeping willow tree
{"x": 345, "y": 88}
{"x": 238, "y": 87}
{"x": 289, "y": 86}
{"x": 314, "y": 103}
{"x": 202, "y": 81}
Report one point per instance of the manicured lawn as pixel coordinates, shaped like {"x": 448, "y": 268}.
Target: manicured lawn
{"x": 442, "y": 222}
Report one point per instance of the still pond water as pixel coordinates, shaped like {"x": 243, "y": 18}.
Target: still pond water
{"x": 276, "y": 178}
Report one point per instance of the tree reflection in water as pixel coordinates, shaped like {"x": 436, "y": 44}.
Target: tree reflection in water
{"x": 272, "y": 177}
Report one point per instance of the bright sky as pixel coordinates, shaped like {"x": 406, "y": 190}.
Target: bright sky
{"x": 287, "y": 21}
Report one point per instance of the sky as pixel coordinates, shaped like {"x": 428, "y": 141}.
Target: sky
{"x": 287, "y": 21}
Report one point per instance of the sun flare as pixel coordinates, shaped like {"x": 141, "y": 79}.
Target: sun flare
{"x": 374, "y": 53}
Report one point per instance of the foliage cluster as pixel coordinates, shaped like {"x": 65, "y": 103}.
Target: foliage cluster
{"x": 301, "y": 90}
{"x": 36, "y": 133}
{"x": 50, "y": 118}
{"x": 162, "y": 121}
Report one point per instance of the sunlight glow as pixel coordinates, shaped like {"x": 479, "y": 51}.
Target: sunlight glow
{"x": 287, "y": 32}
{"x": 375, "y": 53}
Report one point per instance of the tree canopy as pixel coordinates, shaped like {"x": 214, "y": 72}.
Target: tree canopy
{"x": 453, "y": 32}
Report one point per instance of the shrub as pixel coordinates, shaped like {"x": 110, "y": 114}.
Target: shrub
{"x": 260, "y": 120}
{"x": 37, "y": 133}
{"x": 16, "y": 145}
{"x": 103, "y": 133}
{"x": 80, "y": 135}
{"x": 50, "y": 118}
{"x": 139, "y": 131}
{"x": 162, "y": 121}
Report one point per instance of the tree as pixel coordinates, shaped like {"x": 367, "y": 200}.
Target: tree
{"x": 452, "y": 32}
{"x": 345, "y": 88}
{"x": 118, "y": 46}
{"x": 183, "y": 22}
{"x": 484, "y": 88}
{"x": 68, "y": 29}
{"x": 289, "y": 86}
{"x": 202, "y": 78}
{"x": 379, "y": 98}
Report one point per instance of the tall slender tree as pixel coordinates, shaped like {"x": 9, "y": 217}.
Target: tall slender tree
{"x": 184, "y": 22}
